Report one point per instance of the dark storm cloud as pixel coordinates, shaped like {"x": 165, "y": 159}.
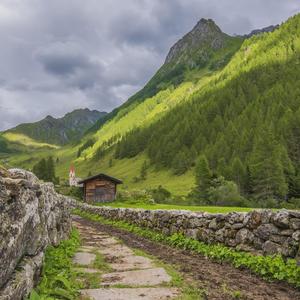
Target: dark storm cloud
{"x": 59, "y": 55}
{"x": 62, "y": 62}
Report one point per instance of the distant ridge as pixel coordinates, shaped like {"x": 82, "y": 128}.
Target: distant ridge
{"x": 60, "y": 131}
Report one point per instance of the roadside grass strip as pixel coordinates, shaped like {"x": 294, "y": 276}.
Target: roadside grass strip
{"x": 268, "y": 267}
{"x": 58, "y": 279}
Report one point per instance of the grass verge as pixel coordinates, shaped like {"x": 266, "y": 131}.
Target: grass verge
{"x": 268, "y": 267}
{"x": 58, "y": 276}
{"x": 210, "y": 209}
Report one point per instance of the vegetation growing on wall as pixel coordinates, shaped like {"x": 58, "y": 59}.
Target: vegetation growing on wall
{"x": 58, "y": 277}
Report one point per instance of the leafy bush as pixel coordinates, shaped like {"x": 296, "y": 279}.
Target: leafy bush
{"x": 293, "y": 203}
{"x": 58, "y": 278}
{"x": 161, "y": 195}
{"x": 135, "y": 197}
{"x": 269, "y": 267}
{"x": 72, "y": 191}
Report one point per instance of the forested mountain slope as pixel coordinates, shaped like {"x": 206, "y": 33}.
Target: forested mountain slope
{"x": 200, "y": 52}
{"x": 246, "y": 120}
{"x": 58, "y": 131}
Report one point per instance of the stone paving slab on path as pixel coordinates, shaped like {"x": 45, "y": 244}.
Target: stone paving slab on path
{"x": 131, "y": 294}
{"x": 130, "y": 262}
{"x": 148, "y": 277}
{"x": 138, "y": 274}
{"x": 84, "y": 258}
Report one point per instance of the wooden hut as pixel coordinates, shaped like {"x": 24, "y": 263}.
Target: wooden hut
{"x": 100, "y": 188}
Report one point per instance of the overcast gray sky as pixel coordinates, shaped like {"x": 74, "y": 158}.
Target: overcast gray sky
{"x": 58, "y": 55}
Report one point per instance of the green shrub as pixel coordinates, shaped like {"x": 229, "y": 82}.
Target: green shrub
{"x": 293, "y": 203}
{"x": 72, "y": 191}
{"x": 135, "y": 197}
{"x": 58, "y": 278}
{"x": 161, "y": 195}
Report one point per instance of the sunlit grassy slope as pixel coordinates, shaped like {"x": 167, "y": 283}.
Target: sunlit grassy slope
{"x": 26, "y": 141}
{"x": 140, "y": 115}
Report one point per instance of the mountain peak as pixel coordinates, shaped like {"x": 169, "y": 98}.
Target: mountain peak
{"x": 206, "y": 33}
{"x": 206, "y": 26}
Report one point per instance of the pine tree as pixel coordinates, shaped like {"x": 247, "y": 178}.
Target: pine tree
{"x": 266, "y": 167}
{"x": 203, "y": 177}
{"x": 50, "y": 169}
{"x": 248, "y": 188}
{"x": 143, "y": 172}
{"x": 238, "y": 173}
{"x": 110, "y": 163}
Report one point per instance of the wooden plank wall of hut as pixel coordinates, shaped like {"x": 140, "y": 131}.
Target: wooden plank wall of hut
{"x": 100, "y": 190}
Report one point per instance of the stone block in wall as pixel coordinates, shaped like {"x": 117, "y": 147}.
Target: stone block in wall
{"x": 264, "y": 231}
{"x": 271, "y": 248}
{"x": 281, "y": 219}
{"x": 244, "y": 236}
{"x": 295, "y": 223}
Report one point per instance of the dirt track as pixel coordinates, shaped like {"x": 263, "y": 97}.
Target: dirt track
{"x": 220, "y": 281}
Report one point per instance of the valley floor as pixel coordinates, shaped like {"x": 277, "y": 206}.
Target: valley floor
{"x": 209, "y": 280}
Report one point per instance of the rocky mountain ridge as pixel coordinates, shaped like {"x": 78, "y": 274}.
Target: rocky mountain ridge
{"x": 270, "y": 28}
{"x": 205, "y": 34}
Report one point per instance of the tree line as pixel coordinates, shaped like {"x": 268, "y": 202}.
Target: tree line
{"x": 45, "y": 170}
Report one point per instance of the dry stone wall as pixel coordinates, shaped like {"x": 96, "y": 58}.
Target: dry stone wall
{"x": 32, "y": 216}
{"x": 259, "y": 231}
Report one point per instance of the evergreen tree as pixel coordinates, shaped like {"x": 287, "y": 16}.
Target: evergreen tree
{"x": 50, "y": 169}
{"x": 266, "y": 167}
{"x": 203, "y": 177}
{"x": 143, "y": 172}
{"x": 248, "y": 188}
{"x": 238, "y": 173}
{"x": 45, "y": 170}
{"x": 110, "y": 163}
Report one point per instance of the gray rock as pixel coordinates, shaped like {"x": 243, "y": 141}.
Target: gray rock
{"x": 265, "y": 230}
{"x": 281, "y": 219}
{"x": 296, "y": 235}
{"x": 213, "y": 224}
{"x": 271, "y": 248}
{"x": 276, "y": 238}
{"x": 253, "y": 219}
{"x": 295, "y": 223}
{"x": 286, "y": 232}
{"x": 237, "y": 226}
{"x": 244, "y": 236}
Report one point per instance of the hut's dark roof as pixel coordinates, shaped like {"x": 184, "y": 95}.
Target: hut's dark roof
{"x": 101, "y": 176}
